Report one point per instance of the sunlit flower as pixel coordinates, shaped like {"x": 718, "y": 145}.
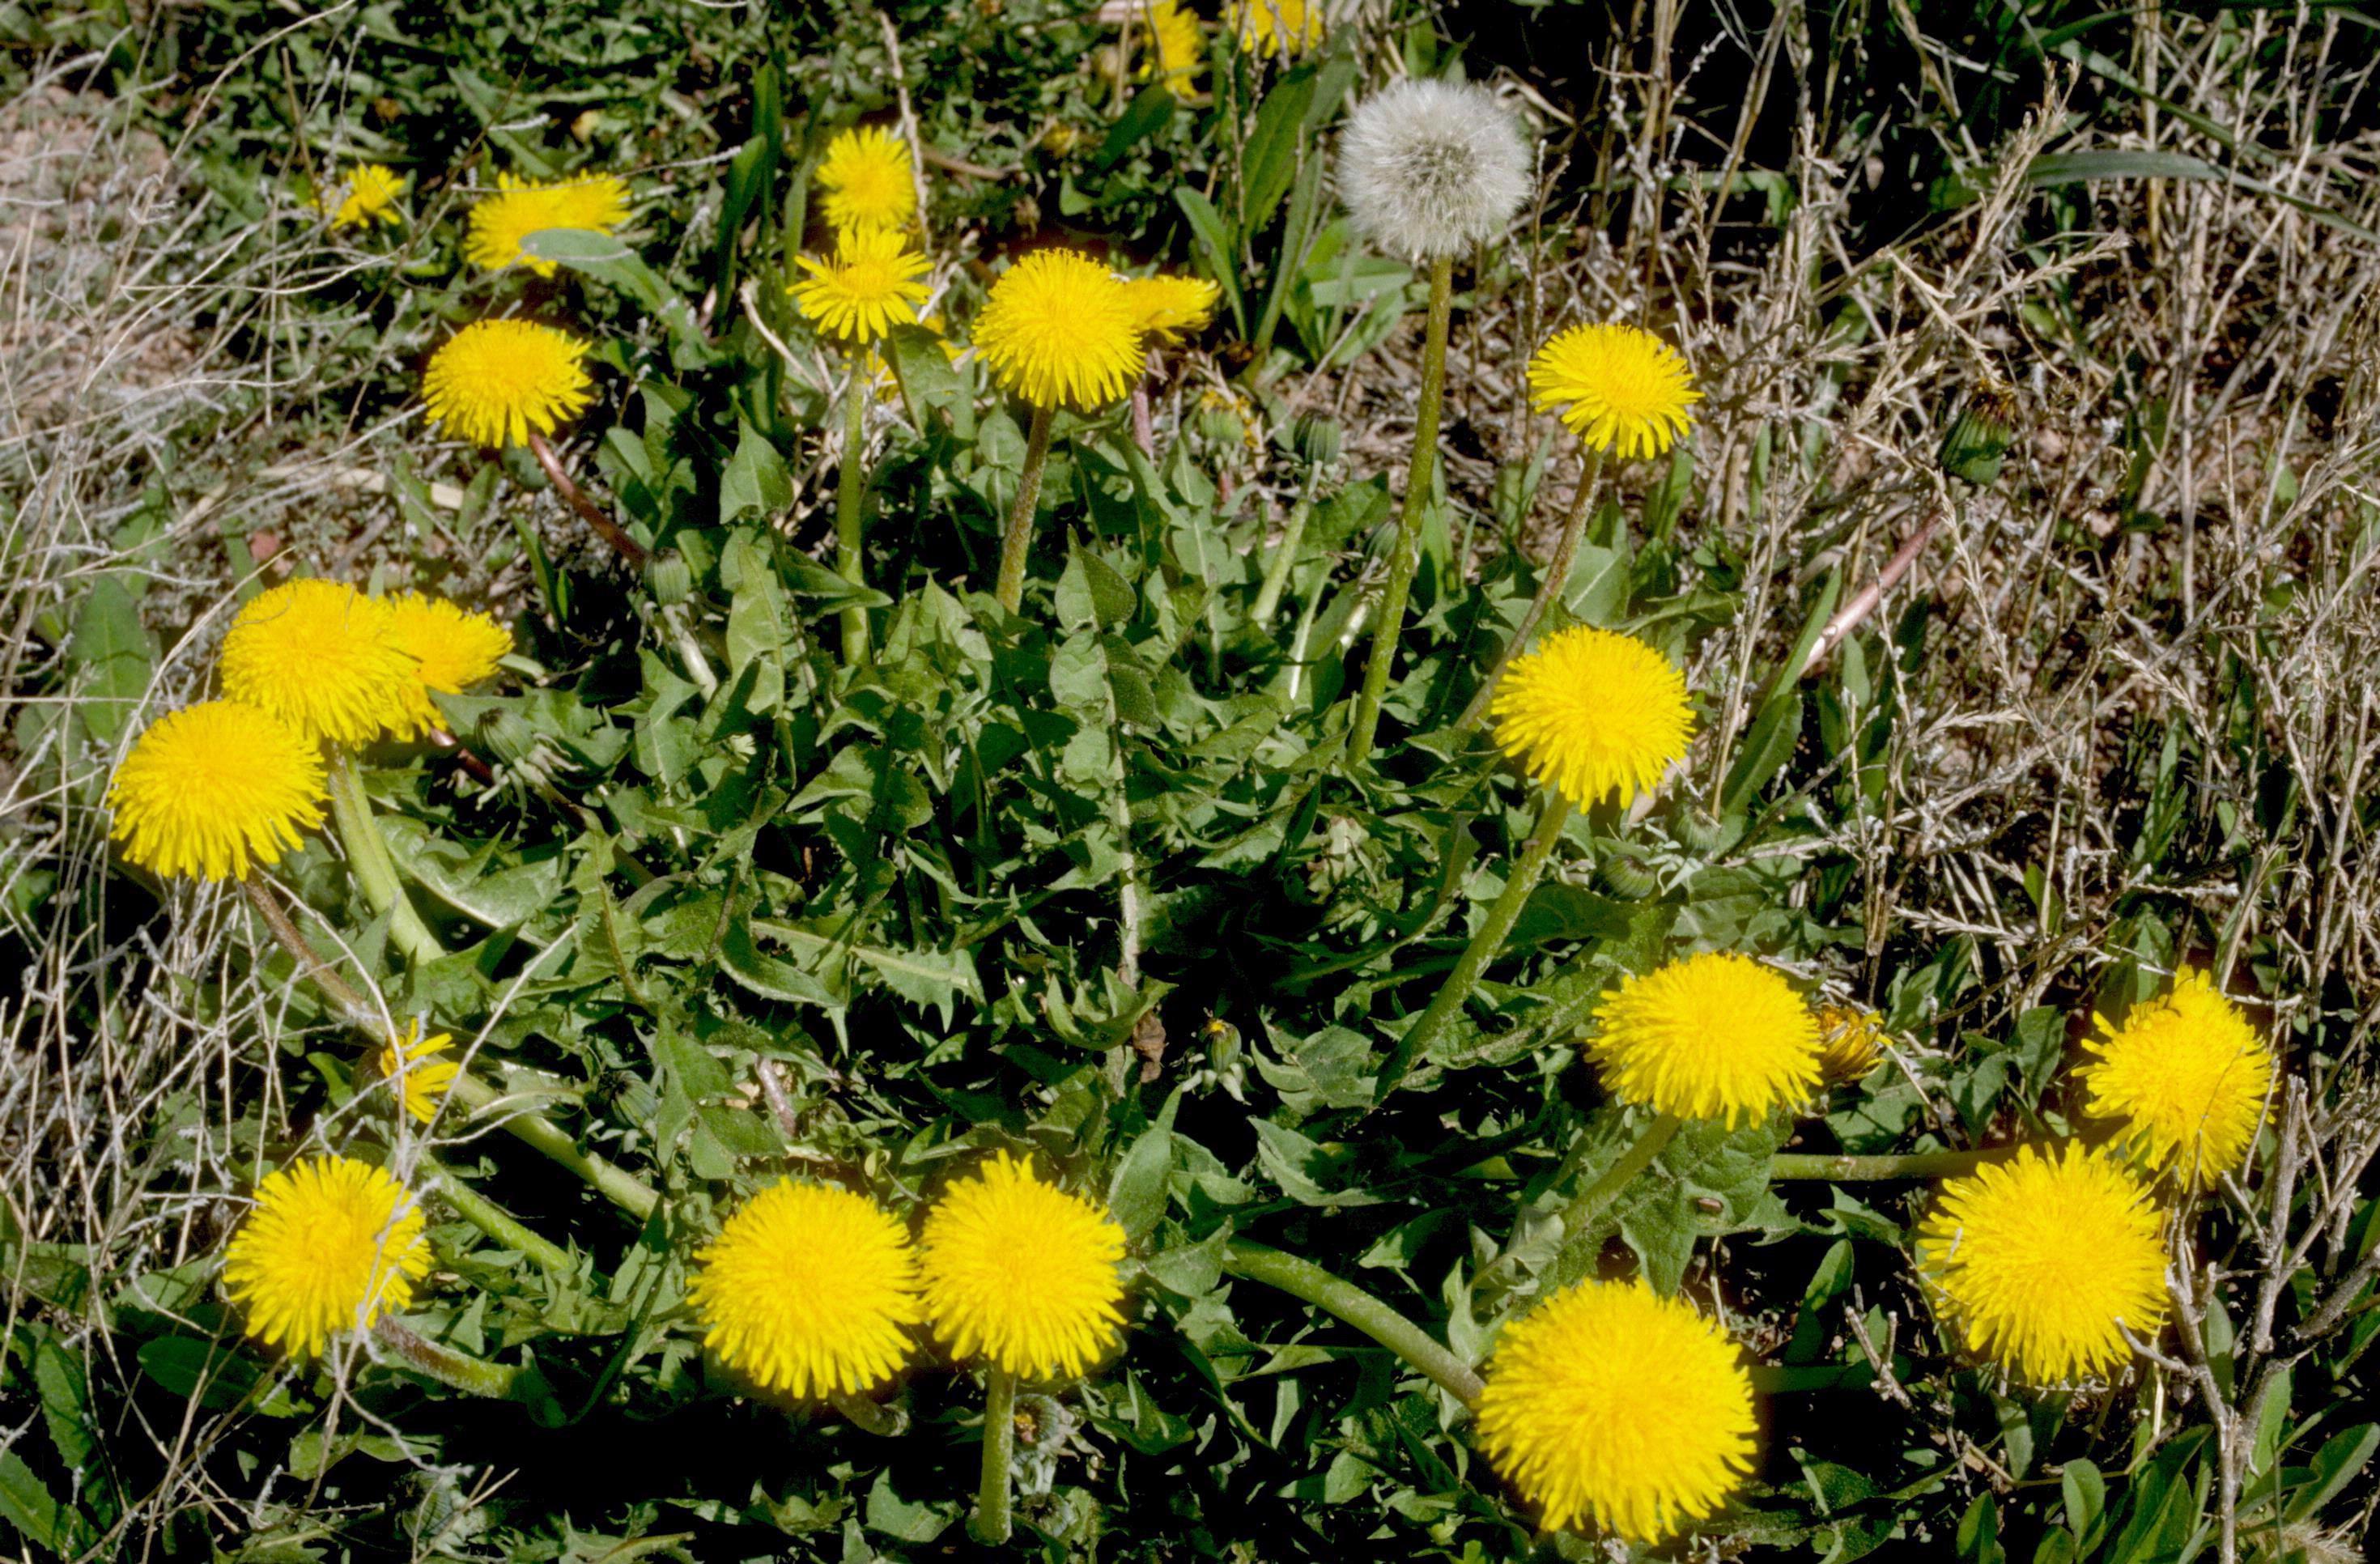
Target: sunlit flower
{"x": 873, "y": 283}
{"x": 1618, "y": 388}
{"x": 1058, "y": 329}
{"x": 1429, "y": 168}
{"x": 598, "y": 202}
{"x": 1286, "y": 28}
{"x": 496, "y": 381}
{"x": 318, "y": 655}
{"x": 332, "y": 1245}
{"x": 2185, "y": 1077}
{"x": 1172, "y": 47}
{"x": 212, "y": 788}
{"x": 452, "y": 648}
{"x": 422, "y": 1078}
{"x": 1611, "y": 1403}
{"x": 1023, "y": 1273}
{"x": 808, "y": 1290}
{"x": 865, "y": 181}
{"x": 2041, "y": 1262}
{"x": 1851, "y": 1043}
{"x": 368, "y": 194}
{"x": 1592, "y": 713}
{"x": 1711, "y": 1035}
{"x": 1165, "y": 306}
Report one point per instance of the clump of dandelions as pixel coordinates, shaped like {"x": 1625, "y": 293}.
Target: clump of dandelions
{"x": 1430, "y": 168}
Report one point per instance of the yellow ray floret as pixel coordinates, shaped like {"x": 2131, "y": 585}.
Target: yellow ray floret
{"x": 808, "y": 1290}
{"x": 1286, "y": 28}
{"x": 1619, "y": 388}
{"x": 1172, "y": 47}
{"x": 1592, "y": 713}
{"x": 1165, "y": 307}
{"x": 496, "y": 381}
{"x": 872, "y": 283}
{"x": 1851, "y": 1043}
{"x": 1023, "y": 1273}
{"x": 452, "y": 648}
{"x": 2041, "y": 1262}
{"x": 332, "y": 1245}
{"x": 2185, "y": 1077}
{"x": 422, "y": 1077}
{"x": 368, "y": 194}
{"x": 1712, "y": 1035}
{"x": 1608, "y": 1404}
{"x": 1059, "y": 330}
{"x": 598, "y": 202}
{"x": 214, "y": 788}
{"x": 865, "y": 181}
{"x": 319, "y": 656}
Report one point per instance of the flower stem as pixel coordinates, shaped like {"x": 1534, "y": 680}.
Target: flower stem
{"x": 593, "y": 515}
{"x": 498, "y": 1224}
{"x": 990, "y": 1525}
{"x": 1908, "y": 1165}
{"x": 1422, "y": 1036}
{"x": 607, "y": 1179}
{"x": 369, "y": 858}
{"x": 1284, "y": 558}
{"x": 1582, "y": 505}
{"x": 1018, "y": 535}
{"x": 356, "y": 1008}
{"x": 850, "y": 489}
{"x": 474, "y": 1377}
{"x": 1593, "y": 1200}
{"x": 1407, "y": 549}
{"x": 1302, "y": 1279}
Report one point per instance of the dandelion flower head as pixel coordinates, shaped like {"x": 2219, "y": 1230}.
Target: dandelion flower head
{"x": 214, "y": 788}
{"x": 1610, "y": 1403}
{"x": 2185, "y": 1076}
{"x": 2040, "y": 1261}
{"x": 422, "y": 1077}
{"x": 1593, "y": 714}
{"x": 1711, "y": 1035}
{"x": 521, "y": 206}
{"x": 1165, "y": 307}
{"x": 808, "y": 1290}
{"x": 865, "y": 181}
{"x": 872, "y": 283}
{"x": 1283, "y": 28}
{"x": 1429, "y": 168}
{"x": 1059, "y": 330}
{"x": 1851, "y": 1043}
{"x": 452, "y": 648}
{"x": 368, "y": 194}
{"x": 332, "y": 1245}
{"x": 1617, "y": 388}
{"x": 495, "y": 382}
{"x": 318, "y": 655}
{"x": 1023, "y": 1273}
{"x": 1173, "y": 45}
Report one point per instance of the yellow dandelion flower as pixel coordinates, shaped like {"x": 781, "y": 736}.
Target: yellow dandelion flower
{"x": 808, "y": 1290}
{"x": 495, "y": 381}
{"x": 873, "y": 283}
{"x": 865, "y": 181}
{"x": 1710, "y": 1035}
{"x": 422, "y": 1078}
{"x": 1023, "y": 1273}
{"x": 211, "y": 788}
{"x": 452, "y": 648}
{"x": 1617, "y": 387}
{"x": 332, "y": 1245}
{"x": 2185, "y": 1076}
{"x": 2038, "y": 1261}
{"x": 318, "y": 655}
{"x": 522, "y": 207}
{"x": 1592, "y": 712}
{"x": 1059, "y": 330}
{"x": 1851, "y": 1043}
{"x": 1285, "y": 28}
{"x": 1610, "y": 1403}
{"x": 1172, "y": 48}
{"x": 368, "y": 194}
{"x": 1165, "y": 307}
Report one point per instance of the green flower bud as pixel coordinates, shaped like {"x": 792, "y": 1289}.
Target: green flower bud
{"x": 669, "y": 577}
{"x": 1979, "y": 436}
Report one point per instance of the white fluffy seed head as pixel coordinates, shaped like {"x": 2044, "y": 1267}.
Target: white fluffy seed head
{"x": 1429, "y": 168}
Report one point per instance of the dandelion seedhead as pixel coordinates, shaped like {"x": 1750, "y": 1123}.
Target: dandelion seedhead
{"x": 1429, "y": 168}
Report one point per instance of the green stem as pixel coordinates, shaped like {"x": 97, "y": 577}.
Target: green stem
{"x": 1017, "y": 537}
{"x": 498, "y": 1224}
{"x": 370, "y": 860}
{"x": 358, "y": 1010}
{"x": 850, "y": 489}
{"x": 1910, "y": 1165}
{"x": 1592, "y": 1200}
{"x": 474, "y": 1377}
{"x": 1277, "y": 573}
{"x": 1422, "y": 1036}
{"x": 1582, "y": 505}
{"x": 1302, "y": 1279}
{"x": 607, "y": 1179}
{"x": 990, "y": 1525}
{"x": 1418, "y": 483}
